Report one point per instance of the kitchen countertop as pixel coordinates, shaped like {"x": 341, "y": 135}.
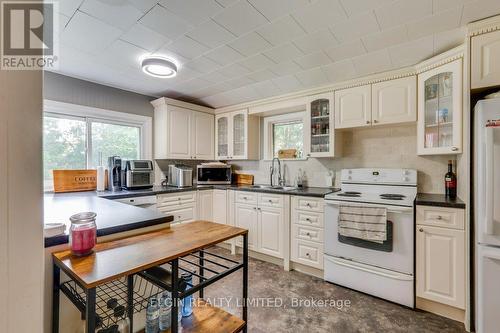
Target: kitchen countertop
{"x": 305, "y": 191}
{"x": 112, "y": 217}
{"x": 438, "y": 200}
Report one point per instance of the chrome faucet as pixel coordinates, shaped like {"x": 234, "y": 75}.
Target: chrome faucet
{"x": 272, "y": 170}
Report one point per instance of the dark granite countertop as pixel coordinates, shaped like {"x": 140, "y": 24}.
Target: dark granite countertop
{"x": 112, "y": 217}
{"x": 305, "y": 191}
{"x": 438, "y": 200}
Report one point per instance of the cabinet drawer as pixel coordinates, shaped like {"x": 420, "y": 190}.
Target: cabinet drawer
{"x": 309, "y": 204}
{"x": 176, "y": 199}
{"x": 185, "y": 214}
{"x": 301, "y": 232}
{"x": 270, "y": 200}
{"x": 441, "y": 217}
{"x": 307, "y": 253}
{"x": 245, "y": 197}
{"x": 309, "y": 219}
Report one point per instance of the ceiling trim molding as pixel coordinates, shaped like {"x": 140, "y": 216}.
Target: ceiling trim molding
{"x": 483, "y": 26}
{"x": 170, "y": 101}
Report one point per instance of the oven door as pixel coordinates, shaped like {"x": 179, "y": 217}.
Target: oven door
{"x": 399, "y": 257}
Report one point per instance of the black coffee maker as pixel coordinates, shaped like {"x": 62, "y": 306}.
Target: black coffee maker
{"x": 115, "y": 173}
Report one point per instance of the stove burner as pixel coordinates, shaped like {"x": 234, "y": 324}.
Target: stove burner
{"x": 350, "y": 194}
{"x": 391, "y": 196}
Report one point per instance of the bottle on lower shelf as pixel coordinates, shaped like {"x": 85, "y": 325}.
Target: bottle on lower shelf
{"x": 152, "y": 316}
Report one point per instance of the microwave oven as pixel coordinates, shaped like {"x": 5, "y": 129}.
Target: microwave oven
{"x": 213, "y": 174}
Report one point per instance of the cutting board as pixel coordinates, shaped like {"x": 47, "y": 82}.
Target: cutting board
{"x": 75, "y": 180}
{"x": 243, "y": 179}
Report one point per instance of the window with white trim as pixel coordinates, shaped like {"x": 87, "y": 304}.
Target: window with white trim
{"x": 77, "y": 137}
{"x": 284, "y": 136}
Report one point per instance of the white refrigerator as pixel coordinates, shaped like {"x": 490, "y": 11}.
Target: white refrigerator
{"x": 487, "y": 214}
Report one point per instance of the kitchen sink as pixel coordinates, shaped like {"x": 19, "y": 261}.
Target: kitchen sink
{"x": 269, "y": 187}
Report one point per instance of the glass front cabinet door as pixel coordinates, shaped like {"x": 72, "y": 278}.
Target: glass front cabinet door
{"x": 440, "y": 110}
{"x": 319, "y": 124}
{"x": 222, "y": 137}
{"x": 238, "y": 137}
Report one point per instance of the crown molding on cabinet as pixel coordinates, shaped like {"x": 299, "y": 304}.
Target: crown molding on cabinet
{"x": 483, "y": 26}
{"x": 170, "y": 101}
{"x": 441, "y": 59}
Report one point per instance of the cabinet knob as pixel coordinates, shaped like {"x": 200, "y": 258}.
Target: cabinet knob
{"x": 308, "y": 219}
{"x": 308, "y": 234}
{"x": 454, "y": 149}
{"x": 375, "y": 121}
{"x": 439, "y": 217}
{"x": 258, "y": 208}
{"x": 367, "y": 122}
{"x": 308, "y": 204}
{"x": 308, "y": 255}
{"x": 308, "y": 155}
{"x": 270, "y": 200}
{"x": 421, "y": 230}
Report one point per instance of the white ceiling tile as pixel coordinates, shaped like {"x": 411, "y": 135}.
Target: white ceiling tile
{"x": 288, "y": 83}
{"x": 233, "y": 70}
{"x": 440, "y": 5}
{"x": 412, "y": 52}
{"x": 273, "y": 9}
{"x": 144, "y": 37}
{"x": 183, "y": 74}
{"x": 402, "y": 11}
{"x": 143, "y": 5}
{"x": 238, "y": 82}
{"x": 281, "y": 31}
{"x": 203, "y": 65}
{"x": 373, "y": 62}
{"x": 89, "y": 34}
{"x": 124, "y": 53}
{"x": 283, "y": 53}
{"x": 355, "y": 27}
{"x": 320, "y": 14}
{"x": 165, "y": 52}
{"x": 240, "y": 18}
{"x": 164, "y": 22}
{"x": 445, "y": 20}
{"x": 285, "y": 68}
{"x": 347, "y": 50}
{"x": 477, "y": 10}
{"x": 187, "y": 47}
{"x": 69, "y": 7}
{"x": 256, "y": 62}
{"x": 224, "y": 55}
{"x": 226, "y": 3}
{"x": 214, "y": 77}
{"x": 319, "y": 40}
{"x": 250, "y": 44}
{"x": 354, "y": 7}
{"x": 385, "y": 38}
{"x": 313, "y": 60}
{"x": 266, "y": 89}
{"x": 207, "y": 91}
{"x": 339, "y": 71}
{"x": 262, "y": 75}
{"x": 210, "y": 34}
{"x": 193, "y": 84}
{"x": 122, "y": 16}
{"x": 446, "y": 40}
{"x": 312, "y": 77}
{"x": 193, "y": 11}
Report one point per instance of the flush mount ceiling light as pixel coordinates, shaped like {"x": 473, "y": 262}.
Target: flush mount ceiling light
{"x": 159, "y": 67}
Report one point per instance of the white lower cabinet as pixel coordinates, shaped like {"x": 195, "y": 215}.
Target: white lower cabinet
{"x": 219, "y": 204}
{"x": 440, "y": 256}
{"x": 307, "y": 232}
{"x": 181, "y": 205}
{"x": 205, "y": 205}
{"x": 264, "y": 217}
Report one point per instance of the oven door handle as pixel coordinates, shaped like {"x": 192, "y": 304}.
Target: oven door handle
{"x": 398, "y": 210}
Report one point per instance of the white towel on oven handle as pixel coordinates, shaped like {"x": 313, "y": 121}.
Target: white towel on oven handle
{"x": 367, "y": 223}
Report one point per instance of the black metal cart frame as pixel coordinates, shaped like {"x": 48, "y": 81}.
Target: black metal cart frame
{"x": 210, "y": 269}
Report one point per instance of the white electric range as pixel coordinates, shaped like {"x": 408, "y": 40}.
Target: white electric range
{"x": 384, "y": 270}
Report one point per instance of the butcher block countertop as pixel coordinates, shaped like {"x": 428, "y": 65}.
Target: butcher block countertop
{"x": 118, "y": 258}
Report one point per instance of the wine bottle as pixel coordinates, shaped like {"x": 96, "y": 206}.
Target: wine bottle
{"x": 450, "y": 182}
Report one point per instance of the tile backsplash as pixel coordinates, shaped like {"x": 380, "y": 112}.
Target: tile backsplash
{"x": 376, "y": 147}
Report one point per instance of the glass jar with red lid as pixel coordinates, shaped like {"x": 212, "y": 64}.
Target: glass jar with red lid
{"x": 82, "y": 233}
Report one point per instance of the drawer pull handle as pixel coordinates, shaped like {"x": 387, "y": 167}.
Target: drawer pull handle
{"x": 244, "y": 198}
{"x": 308, "y": 205}
{"x": 178, "y": 198}
{"x": 270, "y": 200}
{"x": 308, "y": 219}
{"x": 308, "y": 255}
{"x": 308, "y": 234}
{"x": 439, "y": 217}
{"x": 421, "y": 230}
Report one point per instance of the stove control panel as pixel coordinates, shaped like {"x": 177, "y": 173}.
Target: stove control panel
{"x": 379, "y": 176}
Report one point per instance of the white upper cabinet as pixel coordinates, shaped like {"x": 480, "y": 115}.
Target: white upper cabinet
{"x": 182, "y": 133}
{"x": 237, "y": 136}
{"x": 485, "y": 55}
{"x": 353, "y": 107}
{"x": 394, "y": 101}
{"x": 319, "y": 127}
{"x": 440, "y": 110}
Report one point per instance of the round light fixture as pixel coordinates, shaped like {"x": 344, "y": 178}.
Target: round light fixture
{"x": 159, "y": 67}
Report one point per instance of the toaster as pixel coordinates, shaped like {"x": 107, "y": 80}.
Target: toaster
{"x": 180, "y": 175}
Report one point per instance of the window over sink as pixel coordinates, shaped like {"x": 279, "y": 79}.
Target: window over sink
{"x": 78, "y": 137}
{"x": 284, "y": 136}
